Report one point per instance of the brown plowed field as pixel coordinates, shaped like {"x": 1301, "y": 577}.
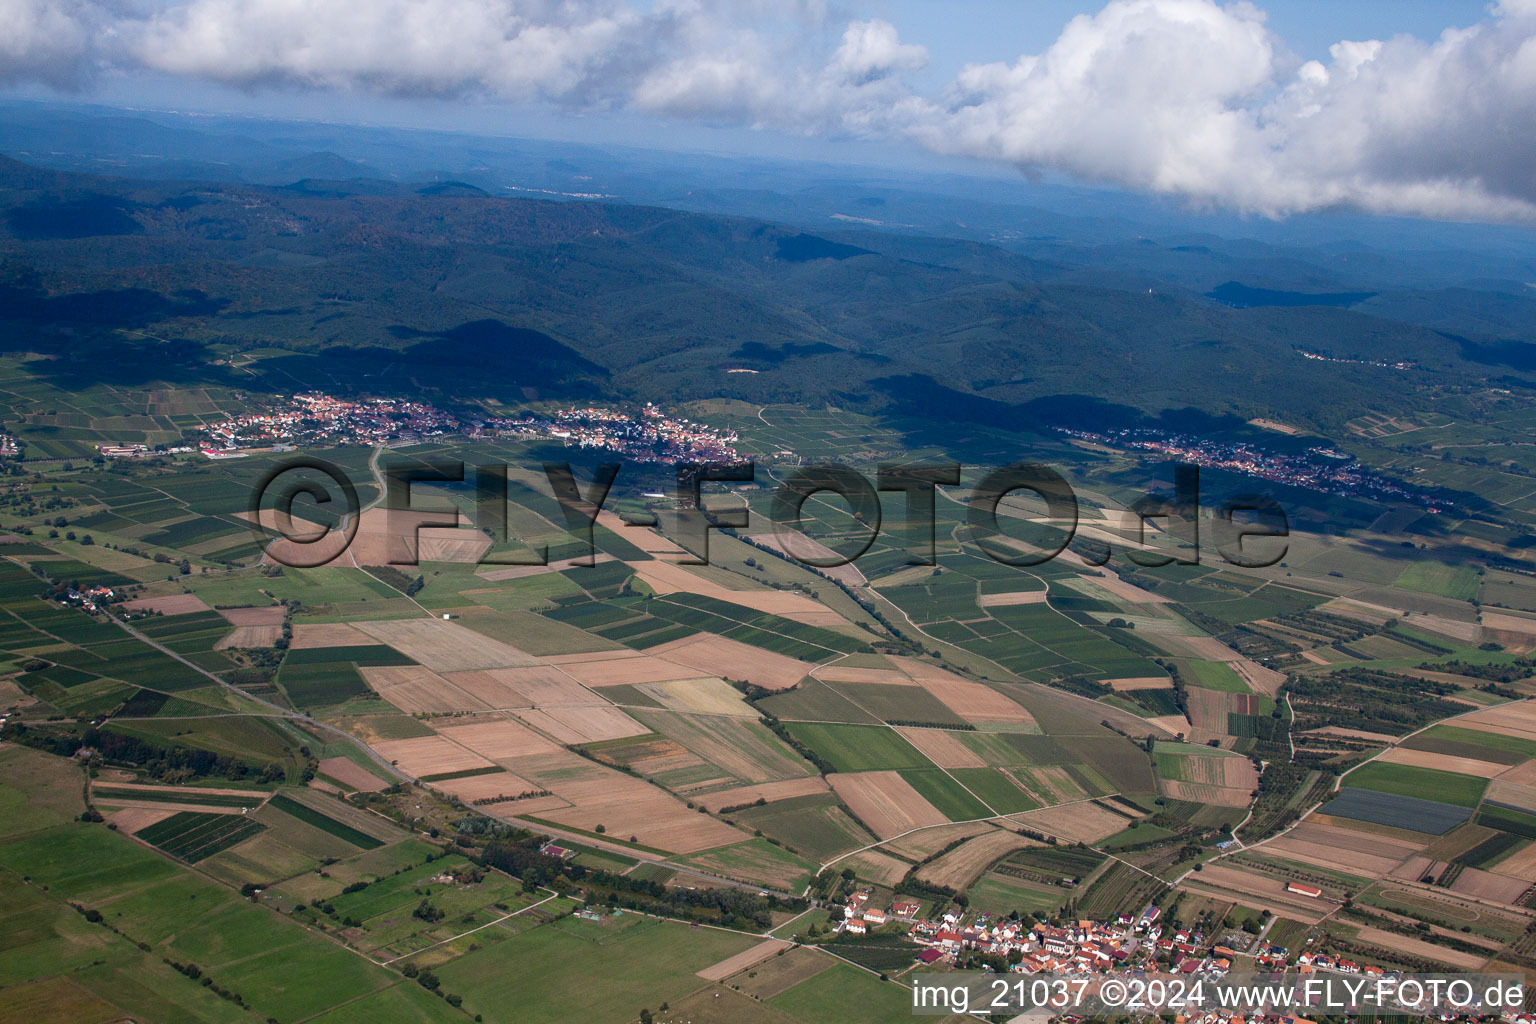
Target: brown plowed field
{"x": 429, "y": 755}
{"x": 1141, "y": 683}
{"x": 250, "y": 636}
{"x": 1490, "y": 886}
{"x": 353, "y": 774}
{"x": 267, "y": 615}
{"x": 494, "y": 738}
{"x": 717, "y": 656}
{"x": 977, "y": 704}
{"x": 171, "y": 604}
{"x": 416, "y": 688}
{"x": 943, "y": 748}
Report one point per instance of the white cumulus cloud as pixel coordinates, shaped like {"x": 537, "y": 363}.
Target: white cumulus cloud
{"x": 1189, "y": 98}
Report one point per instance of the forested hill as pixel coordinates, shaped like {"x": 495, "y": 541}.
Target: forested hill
{"x": 373, "y": 285}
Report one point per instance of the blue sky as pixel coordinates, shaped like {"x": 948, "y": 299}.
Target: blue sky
{"x": 1245, "y": 105}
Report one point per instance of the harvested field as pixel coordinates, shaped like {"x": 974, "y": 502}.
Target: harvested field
{"x": 1442, "y": 762}
{"x": 250, "y": 636}
{"x": 429, "y": 755}
{"x": 1348, "y": 843}
{"x": 624, "y": 806}
{"x": 977, "y": 704}
{"x": 943, "y": 748}
{"x": 924, "y": 844}
{"x": 513, "y": 572}
{"x": 618, "y": 668}
{"x": 445, "y": 646}
{"x": 1510, "y": 719}
{"x": 1260, "y": 679}
{"x": 172, "y": 604}
{"x": 1078, "y": 823}
{"x": 838, "y": 673}
{"x": 671, "y": 578}
{"x": 1016, "y": 598}
{"x": 1490, "y": 886}
{"x": 494, "y": 738}
{"x": 741, "y": 961}
{"x": 770, "y": 791}
{"x": 700, "y": 697}
{"x": 1504, "y": 791}
{"x": 327, "y": 634}
{"x": 849, "y": 575}
{"x": 415, "y": 689}
{"x": 1352, "y": 734}
{"x": 647, "y": 540}
{"x": 1204, "y": 793}
{"x": 964, "y": 864}
{"x": 1421, "y": 949}
{"x": 1521, "y": 774}
{"x": 501, "y": 784}
{"x": 877, "y": 866}
{"x": 885, "y": 802}
{"x": 131, "y": 819}
{"x": 537, "y": 686}
{"x": 1208, "y": 711}
{"x": 1141, "y": 683}
{"x": 1508, "y": 623}
{"x": 744, "y": 749}
{"x": 1332, "y": 858}
{"x": 266, "y": 615}
{"x": 1521, "y": 864}
{"x": 1205, "y": 648}
{"x": 656, "y": 756}
{"x": 352, "y": 774}
{"x": 1173, "y": 725}
{"x": 583, "y": 725}
{"x": 715, "y": 655}
{"x": 1128, "y": 592}
{"x": 388, "y": 536}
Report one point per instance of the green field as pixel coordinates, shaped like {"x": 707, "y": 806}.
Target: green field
{"x": 325, "y": 823}
{"x": 1216, "y": 675}
{"x": 1424, "y": 783}
{"x": 193, "y": 835}
{"x": 550, "y": 974}
{"x": 858, "y": 748}
{"x": 950, "y": 797}
{"x": 1458, "y": 582}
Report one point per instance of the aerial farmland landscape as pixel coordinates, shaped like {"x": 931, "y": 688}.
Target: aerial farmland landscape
{"x": 529, "y": 513}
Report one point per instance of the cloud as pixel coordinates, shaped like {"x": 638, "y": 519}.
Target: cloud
{"x": 1188, "y": 98}
{"x": 47, "y": 41}
{"x": 1193, "y": 99}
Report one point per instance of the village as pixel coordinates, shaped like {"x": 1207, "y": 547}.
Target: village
{"x": 1321, "y": 469}
{"x": 1137, "y": 943}
{"x": 314, "y": 418}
